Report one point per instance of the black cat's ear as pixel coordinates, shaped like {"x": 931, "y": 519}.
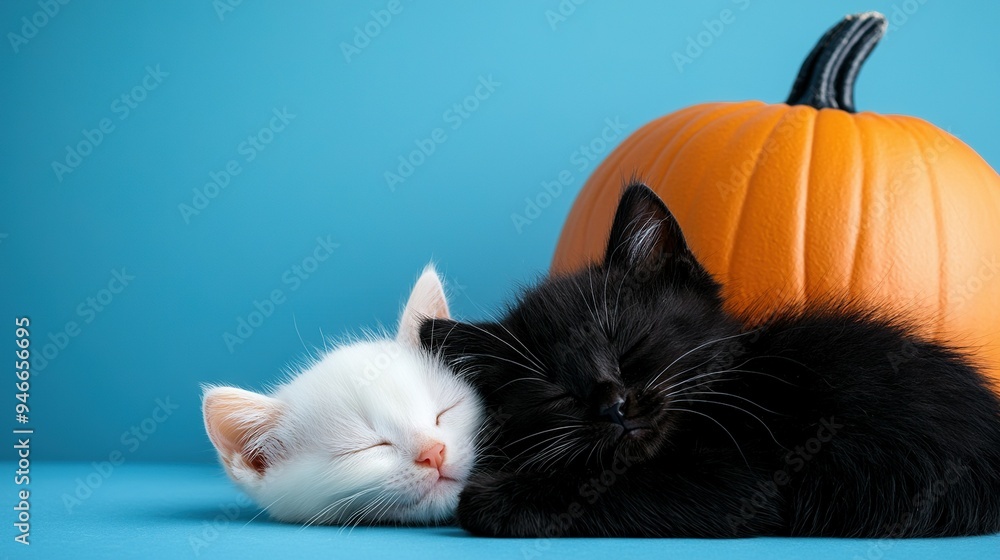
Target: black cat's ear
{"x": 644, "y": 233}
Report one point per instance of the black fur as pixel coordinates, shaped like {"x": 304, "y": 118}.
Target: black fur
{"x": 629, "y": 403}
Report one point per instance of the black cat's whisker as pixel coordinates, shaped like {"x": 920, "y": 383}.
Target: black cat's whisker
{"x": 514, "y": 362}
{"x": 695, "y": 386}
{"x": 696, "y": 348}
{"x": 536, "y": 434}
{"x": 736, "y": 369}
{"x": 777, "y": 357}
{"x": 690, "y": 379}
{"x": 684, "y": 393}
{"x": 618, "y": 295}
{"x": 537, "y": 365}
{"x": 593, "y": 298}
{"x": 674, "y": 376}
{"x": 717, "y": 423}
{"x": 583, "y": 296}
{"x": 741, "y": 409}
{"x": 553, "y": 440}
{"x": 604, "y": 293}
{"x": 537, "y": 457}
{"x": 548, "y": 442}
{"x": 551, "y": 454}
{"x": 534, "y": 359}
{"x": 536, "y": 379}
{"x": 594, "y": 448}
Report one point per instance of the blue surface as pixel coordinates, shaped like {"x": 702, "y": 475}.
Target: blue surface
{"x": 153, "y": 511}
{"x": 63, "y": 233}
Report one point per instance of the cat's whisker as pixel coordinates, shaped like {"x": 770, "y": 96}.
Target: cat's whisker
{"x": 676, "y": 375}
{"x": 497, "y": 321}
{"x": 685, "y": 393}
{"x": 583, "y": 296}
{"x": 536, "y": 379}
{"x": 700, "y": 346}
{"x": 736, "y": 369}
{"x": 359, "y": 516}
{"x": 309, "y": 354}
{"x": 330, "y": 507}
{"x": 738, "y": 448}
{"x": 552, "y": 453}
{"x": 343, "y": 503}
{"x": 552, "y": 441}
{"x": 536, "y": 361}
{"x": 685, "y": 390}
{"x": 516, "y": 363}
{"x": 741, "y": 409}
{"x": 618, "y": 295}
{"x": 379, "y": 515}
{"x": 593, "y": 295}
{"x": 537, "y": 366}
{"x": 338, "y": 512}
{"x": 689, "y": 380}
{"x": 267, "y": 507}
{"x": 536, "y": 434}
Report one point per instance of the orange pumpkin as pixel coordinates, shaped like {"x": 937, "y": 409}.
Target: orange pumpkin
{"x": 808, "y": 200}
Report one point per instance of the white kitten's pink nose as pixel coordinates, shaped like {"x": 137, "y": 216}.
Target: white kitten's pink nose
{"x": 432, "y": 456}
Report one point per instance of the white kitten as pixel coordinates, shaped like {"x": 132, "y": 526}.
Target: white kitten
{"x": 375, "y": 431}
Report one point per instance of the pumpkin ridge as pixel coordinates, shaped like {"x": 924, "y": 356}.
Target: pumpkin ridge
{"x": 917, "y": 139}
{"x": 683, "y": 125}
{"x": 744, "y": 129}
{"x": 803, "y": 253}
{"x": 741, "y": 217}
{"x": 669, "y": 150}
{"x": 745, "y": 111}
{"x": 862, "y": 235}
{"x": 943, "y": 253}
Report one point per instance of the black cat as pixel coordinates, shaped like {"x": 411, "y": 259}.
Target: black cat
{"x": 631, "y": 404}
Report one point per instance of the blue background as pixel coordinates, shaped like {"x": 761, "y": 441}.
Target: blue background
{"x": 324, "y": 174}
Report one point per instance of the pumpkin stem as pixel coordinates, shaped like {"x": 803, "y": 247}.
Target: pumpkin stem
{"x": 826, "y": 79}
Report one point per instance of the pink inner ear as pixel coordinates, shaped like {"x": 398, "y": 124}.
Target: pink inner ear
{"x": 239, "y": 423}
{"x": 427, "y": 300}
{"x": 438, "y": 308}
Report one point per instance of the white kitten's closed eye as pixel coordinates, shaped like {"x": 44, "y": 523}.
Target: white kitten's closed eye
{"x": 374, "y": 431}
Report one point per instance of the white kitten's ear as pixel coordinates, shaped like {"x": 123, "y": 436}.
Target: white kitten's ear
{"x": 241, "y": 425}
{"x": 426, "y": 301}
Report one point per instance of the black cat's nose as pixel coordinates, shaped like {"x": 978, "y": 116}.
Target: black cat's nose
{"x": 613, "y": 412}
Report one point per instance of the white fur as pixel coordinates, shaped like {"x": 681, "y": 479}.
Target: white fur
{"x": 313, "y": 431}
